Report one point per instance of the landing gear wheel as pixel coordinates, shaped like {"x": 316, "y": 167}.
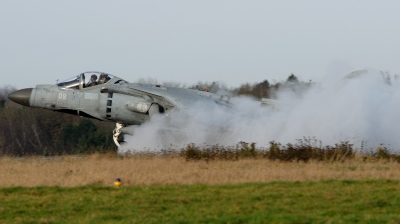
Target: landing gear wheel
{"x": 116, "y": 147}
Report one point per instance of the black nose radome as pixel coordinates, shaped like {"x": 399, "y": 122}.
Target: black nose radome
{"x": 21, "y": 96}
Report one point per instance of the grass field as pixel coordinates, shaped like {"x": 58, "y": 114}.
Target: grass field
{"x": 345, "y": 201}
{"x": 103, "y": 169}
{"x": 79, "y": 189}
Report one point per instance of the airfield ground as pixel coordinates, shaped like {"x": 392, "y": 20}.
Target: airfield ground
{"x": 372, "y": 201}
{"x": 173, "y": 190}
{"x": 100, "y": 169}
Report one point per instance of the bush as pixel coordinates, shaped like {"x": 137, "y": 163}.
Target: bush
{"x": 304, "y": 150}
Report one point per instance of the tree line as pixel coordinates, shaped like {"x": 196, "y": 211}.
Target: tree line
{"x": 34, "y": 131}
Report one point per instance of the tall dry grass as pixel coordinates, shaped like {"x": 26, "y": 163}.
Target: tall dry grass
{"x": 158, "y": 170}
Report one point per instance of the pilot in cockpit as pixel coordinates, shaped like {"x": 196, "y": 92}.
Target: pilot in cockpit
{"x": 103, "y": 78}
{"x": 93, "y": 81}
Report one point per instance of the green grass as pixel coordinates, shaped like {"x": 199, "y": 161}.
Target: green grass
{"x": 375, "y": 201}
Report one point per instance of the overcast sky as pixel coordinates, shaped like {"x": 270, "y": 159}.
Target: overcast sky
{"x": 190, "y": 41}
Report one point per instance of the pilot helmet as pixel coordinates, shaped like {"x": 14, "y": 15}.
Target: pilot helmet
{"x": 93, "y": 77}
{"x": 102, "y": 78}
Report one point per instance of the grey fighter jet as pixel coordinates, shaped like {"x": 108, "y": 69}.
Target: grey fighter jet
{"x": 106, "y": 97}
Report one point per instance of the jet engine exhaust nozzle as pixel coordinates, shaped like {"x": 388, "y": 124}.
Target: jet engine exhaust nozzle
{"x": 21, "y": 96}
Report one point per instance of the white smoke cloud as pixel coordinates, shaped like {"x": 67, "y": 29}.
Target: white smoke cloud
{"x": 364, "y": 108}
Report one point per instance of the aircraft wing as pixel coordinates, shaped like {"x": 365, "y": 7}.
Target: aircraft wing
{"x": 151, "y": 95}
{"x": 178, "y": 98}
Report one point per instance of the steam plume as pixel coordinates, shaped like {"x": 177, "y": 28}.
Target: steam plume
{"x": 361, "y": 108}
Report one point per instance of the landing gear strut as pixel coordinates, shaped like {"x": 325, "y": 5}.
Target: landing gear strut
{"x": 117, "y": 132}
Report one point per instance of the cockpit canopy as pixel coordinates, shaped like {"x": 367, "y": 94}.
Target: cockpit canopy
{"x": 89, "y": 79}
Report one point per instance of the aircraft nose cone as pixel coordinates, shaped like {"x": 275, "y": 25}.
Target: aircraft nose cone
{"x": 21, "y": 96}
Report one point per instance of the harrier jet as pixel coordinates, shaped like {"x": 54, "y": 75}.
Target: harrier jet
{"x": 109, "y": 98}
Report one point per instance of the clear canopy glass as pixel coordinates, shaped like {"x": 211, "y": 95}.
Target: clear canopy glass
{"x": 71, "y": 83}
{"x": 88, "y": 79}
